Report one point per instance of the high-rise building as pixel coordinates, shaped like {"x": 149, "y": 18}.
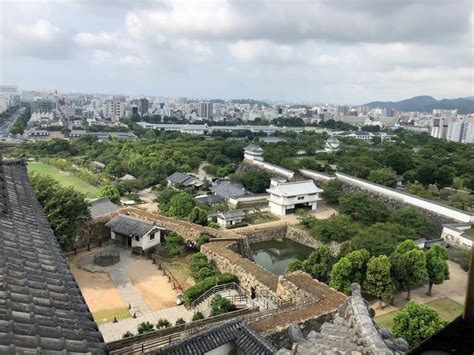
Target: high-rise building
{"x": 43, "y": 105}
{"x": 343, "y": 110}
{"x": 205, "y": 110}
{"x": 8, "y": 89}
{"x": 114, "y": 109}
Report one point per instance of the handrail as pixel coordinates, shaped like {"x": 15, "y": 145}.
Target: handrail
{"x": 217, "y": 288}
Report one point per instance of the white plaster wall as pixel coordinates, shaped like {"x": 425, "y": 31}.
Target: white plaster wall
{"x": 316, "y": 175}
{"x": 455, "y": 237}
{"x": 277, "y": 209}
{"x": 407, "y": 198}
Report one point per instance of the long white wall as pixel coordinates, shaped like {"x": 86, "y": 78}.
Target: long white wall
{"x": 316, "y": 175}
{"x": 415, "y": 201}
{"x": 273, "y": 168}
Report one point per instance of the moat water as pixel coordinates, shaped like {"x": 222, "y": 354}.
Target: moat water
{"x": 275, "y": 255}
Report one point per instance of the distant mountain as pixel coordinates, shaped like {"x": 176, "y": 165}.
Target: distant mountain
{"x": 427, "y": 104}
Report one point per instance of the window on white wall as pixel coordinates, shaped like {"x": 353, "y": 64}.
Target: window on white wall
{"x": 152, "y": 236}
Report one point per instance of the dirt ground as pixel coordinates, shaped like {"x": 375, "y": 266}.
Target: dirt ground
{"x": 97, "y": 288}
{"x": 155, "y": 289}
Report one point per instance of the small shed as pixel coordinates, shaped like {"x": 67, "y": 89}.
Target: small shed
{"x": 230, "y": 218}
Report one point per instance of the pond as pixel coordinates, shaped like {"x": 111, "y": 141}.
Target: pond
{"x": 275, "y": 255}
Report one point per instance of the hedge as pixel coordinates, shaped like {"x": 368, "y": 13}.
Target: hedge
{"x": 197, "y": 290}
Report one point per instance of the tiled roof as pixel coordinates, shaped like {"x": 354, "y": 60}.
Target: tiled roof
{"x": 235, "y": 332}
{"x": 294, "y": 188}
{"x": 42, "y": 310}
{"x": 183, "y": 179}
{"x": 227, "y": 189}
{"x": 130, "y": 226}
{"x": 103, "y": 207}
{"x": 253, "y": 148}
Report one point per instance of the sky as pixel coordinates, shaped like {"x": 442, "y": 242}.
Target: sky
{"x": 327, "y": 51}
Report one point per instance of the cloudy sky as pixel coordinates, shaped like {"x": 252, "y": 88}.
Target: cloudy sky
{"x": 339, "y": 51}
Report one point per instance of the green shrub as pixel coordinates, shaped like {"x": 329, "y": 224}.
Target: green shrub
{"x": 173, "y": 243}
{"x": 127, "y": 334}
{"x": 145, "y": 327}
{"x": 213, "y": 225}
{"x": 197, "y": 290}
{"x": 180, "y": 321}
{"x": 221, "y": 305}
{"x": 203, "y": 239}
{"x": 163, "y": 323}
{"x": 197, "y": 316}
{"x": 238, "y": 225}
{"x": 460, "y": 256}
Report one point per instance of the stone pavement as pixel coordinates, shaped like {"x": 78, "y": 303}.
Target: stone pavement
{"x": 114, "y": 331}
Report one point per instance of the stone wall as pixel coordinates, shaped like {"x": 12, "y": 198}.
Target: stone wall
{"x": 287, "y": 291}
{"x": 303, "y": 237}
{"x": 263, "y": 234}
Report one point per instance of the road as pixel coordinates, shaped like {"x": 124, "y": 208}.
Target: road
{"x": 5, "y": 127}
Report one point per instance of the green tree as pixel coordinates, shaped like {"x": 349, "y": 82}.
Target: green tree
{"x": 410, "y": 218}
{"x": 127, "y": 334}
{"x": 383, "y": 176}
{"x": 444, "y": 176}
{"x": 173, "y": 243}
{"x": 306, "y": 219}
{"x": 416, "y": 322}
{"x": 220, "y": 305}
{"x": 111, "y": 192}
{"x": 337, "y": 228}
{"x": 341, "y": 276}
{"x": 426, "y": 174}
{"x": 318, "y": 264}
{"x": 378, "y": 281}
{"x": 408, "y": 266}
{"x": 399, "y": 160}
{"x": 145, "y": 327}
{"x": 332, "y": 191}
{"x": 181, "y": 205}
{"x": 437, "y": 266}
{"x": 180, "y": 321}
{"x": 256, "y": 181}
{"x": 64, "y": 207}
{"x": 382, "y": 238}
{"x": 363, "y": 208}
{"x": 198, "y": 216}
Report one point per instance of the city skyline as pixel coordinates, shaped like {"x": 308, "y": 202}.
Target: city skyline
{"x": 300, "y": 52}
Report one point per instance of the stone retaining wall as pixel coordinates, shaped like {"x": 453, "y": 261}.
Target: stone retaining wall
{"x": 263, "y": 234}
{"x": 288, "y": 291}
{"x": 303, "y": 237}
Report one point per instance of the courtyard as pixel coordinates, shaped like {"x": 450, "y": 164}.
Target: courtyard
{"x": 132, "y": 290}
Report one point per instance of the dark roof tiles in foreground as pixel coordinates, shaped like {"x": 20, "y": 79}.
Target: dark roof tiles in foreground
{"x": 42, "y": 310}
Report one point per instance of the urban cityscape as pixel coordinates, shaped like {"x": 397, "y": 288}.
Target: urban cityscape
{"x": 225, "y": 177}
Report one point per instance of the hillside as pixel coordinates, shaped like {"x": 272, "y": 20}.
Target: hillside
{"x": 427, "y": 104}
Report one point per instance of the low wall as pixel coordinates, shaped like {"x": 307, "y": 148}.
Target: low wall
{"x": 263, "y": 234}
{"x": 316, "y": 175}
{"x": 288, "y": 174}
{"x": 453, "y": 234}
{"x": 288, "y": 291}
{"x": 303, "y": 237}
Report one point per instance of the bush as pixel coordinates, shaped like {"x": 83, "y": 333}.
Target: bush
{"x": 163, "y": 323}
{"x": 213, "y": 225}
{"x": 127, "y": 334}
{"x": 238, "y": 225}
{"x": 221, "y": 305}
{"x": 361, "y": 207}
{"x": 180, "y": 321}
{"x": 145, "y": 327}
{"x": 337, "y": 228}
{"x": 173, "y": 243}
{"x": 198, "y": 216}
{"x": 197, "y": 316}
{"x": 460, "y": 256}
{"x": 197, "y": 290}
{"x": 203, "y": 239}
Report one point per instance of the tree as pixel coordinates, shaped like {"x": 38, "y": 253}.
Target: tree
{"x": 332, "y": 191}
{"x": 127, "y": 334}
{"x": 306, "y": 219}
{"x": 173, "y": 243}
{"x": 410, "y": 217}
{"x": 197, "y": 316}
{"x": 426, "y": 174}
{"x": 256, "y": 181}
{"x": 383, "y": 176}
{"x": 444, "y": 176}
{"x": 111, "y": 192}
{"x": 64, "y": 207}
{"x": 437, "y": 266}
{"x": 145, "y": 327}
{"x": 378, "y": 281}
{"x": 340, "y": 276}
{"x": 408, "y": 265}
{"x": 362, "y": 208}
{"x": 198, "y": 216}
{"x": 416, "y": 322}
{"x": 382, "y": 238}
{"x": 181, "y": 205}
{"x": 399, "y": 160}
{"x": 318, "y": 264}
{"x": 220, "y": 305}
{"x": 337, "y": 228}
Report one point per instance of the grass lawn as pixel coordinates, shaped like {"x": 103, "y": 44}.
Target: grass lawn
{"x": 264, "y": 218}
{"x": 469, "y": 233}
{"x": 64, "y": 178}
{"x": 446, "y": 308}
{"x": 108, "y": 315}
{"x": 179, "y": 268}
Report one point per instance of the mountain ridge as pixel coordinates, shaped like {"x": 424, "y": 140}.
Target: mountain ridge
{"x": 425, "y": 103}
